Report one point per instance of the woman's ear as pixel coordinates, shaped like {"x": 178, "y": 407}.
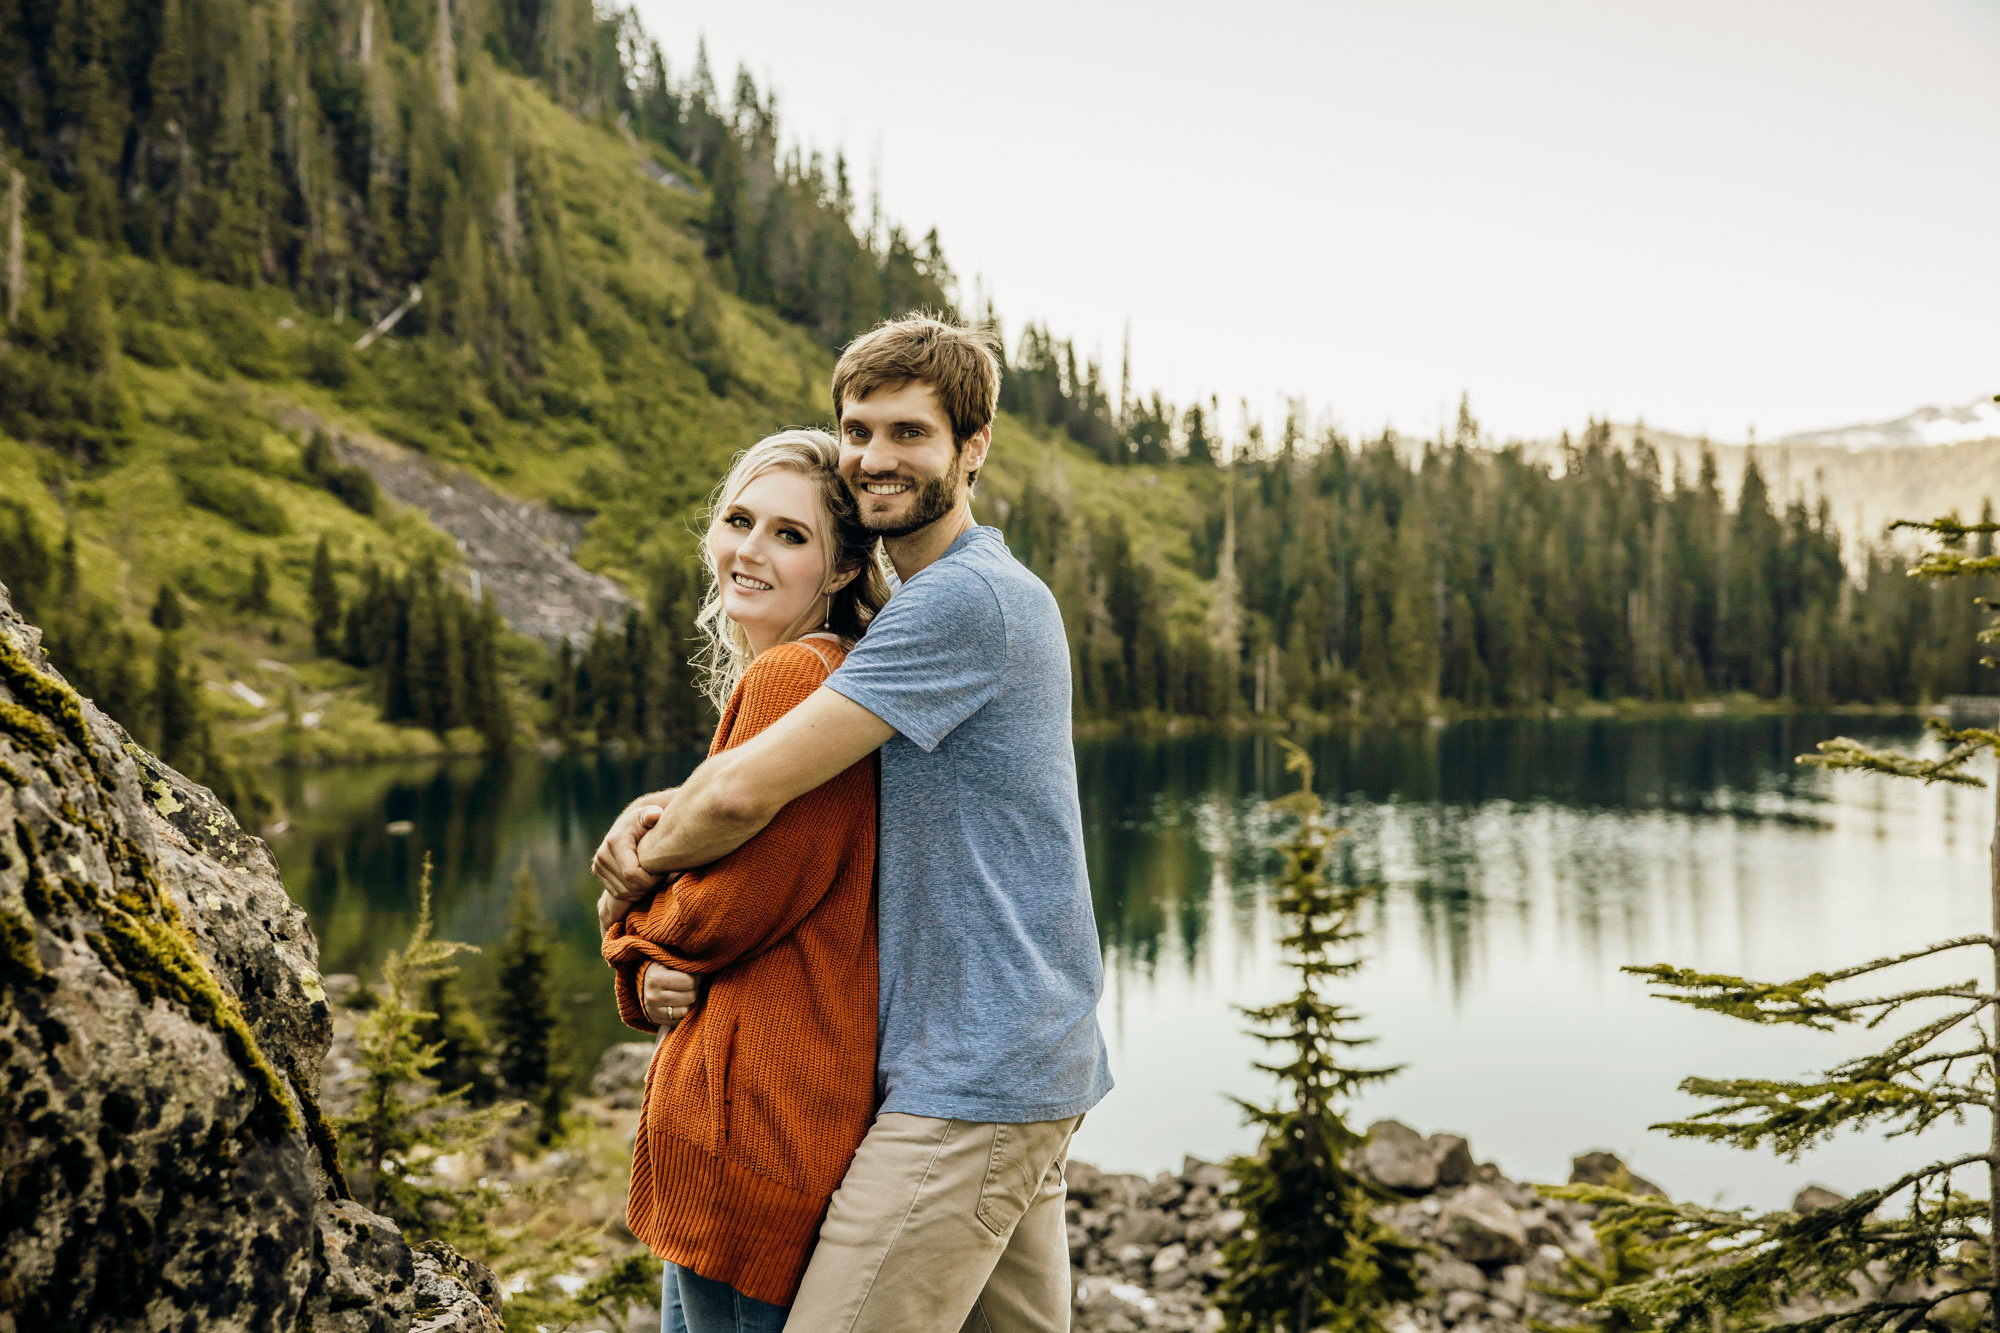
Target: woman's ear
{"x": 840, "y": 578}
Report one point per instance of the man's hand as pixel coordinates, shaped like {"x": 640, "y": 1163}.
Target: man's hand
{"x": 665, "y": 995}
{"x": 733, "y": 794}
{"x": 616, "y": 865}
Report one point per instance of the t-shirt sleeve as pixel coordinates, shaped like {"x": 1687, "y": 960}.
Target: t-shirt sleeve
{"x": 931, "y": 659}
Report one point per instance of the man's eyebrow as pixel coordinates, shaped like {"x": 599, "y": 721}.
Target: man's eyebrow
{"x": 849, "y": 422}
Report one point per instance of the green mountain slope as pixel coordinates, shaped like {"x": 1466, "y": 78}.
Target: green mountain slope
{"x": 207, "y": 469}
{"x": 624, "y": 279}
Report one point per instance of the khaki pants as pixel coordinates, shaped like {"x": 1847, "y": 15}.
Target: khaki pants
{"x": 943, "y": 1226}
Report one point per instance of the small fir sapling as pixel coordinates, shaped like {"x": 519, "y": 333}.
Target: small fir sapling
{"x": 1921, "y": 1250}
{"x": 404, "y": 1122}
{"x": 1311, "y": 1254}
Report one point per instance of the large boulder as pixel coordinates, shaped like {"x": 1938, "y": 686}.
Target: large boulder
{"x": 163, "y": 1160}
{"x": 1603, "y": 1168}
{"x": 620, "y": 1078}
{"x": 1398, "y": 1158}
{"x": 1478, "y": 1226}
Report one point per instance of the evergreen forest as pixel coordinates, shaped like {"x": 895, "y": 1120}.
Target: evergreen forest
{"x": 513, "y": 236}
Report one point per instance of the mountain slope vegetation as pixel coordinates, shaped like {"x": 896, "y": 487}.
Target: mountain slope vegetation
{"x": 610, "y": 278}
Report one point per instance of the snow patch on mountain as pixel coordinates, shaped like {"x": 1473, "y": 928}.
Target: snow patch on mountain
{"x": 1976, "y": 420}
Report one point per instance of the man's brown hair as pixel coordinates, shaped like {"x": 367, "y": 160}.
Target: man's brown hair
{"x": 960, "y": 364}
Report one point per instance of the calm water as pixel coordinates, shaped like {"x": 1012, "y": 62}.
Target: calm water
{"x": 1520, "y": 864}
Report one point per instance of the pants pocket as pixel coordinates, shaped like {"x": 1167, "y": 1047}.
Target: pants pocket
{"x": 1014, "y": 1168}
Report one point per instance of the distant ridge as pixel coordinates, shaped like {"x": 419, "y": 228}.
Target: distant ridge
{"x": 1866, "y": 483}
{"x": 1866, "y": 486}
{"x": 1964, "y": 424}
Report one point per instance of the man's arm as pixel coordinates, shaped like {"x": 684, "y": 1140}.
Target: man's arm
{"x": 732, "y": 795}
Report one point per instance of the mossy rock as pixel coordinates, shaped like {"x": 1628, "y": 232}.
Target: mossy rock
{"x": 163, "y": 1162}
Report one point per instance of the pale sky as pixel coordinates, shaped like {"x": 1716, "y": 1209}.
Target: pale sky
{"x": 1716, "y": 215}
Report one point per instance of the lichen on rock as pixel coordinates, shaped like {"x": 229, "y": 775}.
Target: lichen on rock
{"x": 163, "y": 1161}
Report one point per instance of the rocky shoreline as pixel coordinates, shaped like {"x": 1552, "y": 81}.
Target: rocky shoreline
{"x": 1147, "y": 1254}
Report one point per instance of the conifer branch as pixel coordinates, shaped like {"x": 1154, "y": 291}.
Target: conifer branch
{"x": 1947, "y": 529}
{"x": 1949, "y": 564}
{"x": 1790, "y": 1117}
{"x": 1969, "y": 1053}
{"x": 1800, "y": 1000}
{"x": 1731, "y": 1264}
{"x": 1844, "y": 753}
{"x": 1935, "y": 1266}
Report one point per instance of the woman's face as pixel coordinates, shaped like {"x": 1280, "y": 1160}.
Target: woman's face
{"x": 769, "y": 546}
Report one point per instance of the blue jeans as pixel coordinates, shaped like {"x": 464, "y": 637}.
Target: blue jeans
{"x": 690, "y": 1303}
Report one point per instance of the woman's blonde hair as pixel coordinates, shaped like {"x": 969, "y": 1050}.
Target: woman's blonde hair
{"x": 725, "y": 653}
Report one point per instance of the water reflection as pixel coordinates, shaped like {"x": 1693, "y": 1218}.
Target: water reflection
{"x": 1519, "y": 864}
{"x": 1451, "y": 816}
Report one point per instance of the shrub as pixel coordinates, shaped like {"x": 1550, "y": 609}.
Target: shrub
{"x": 349, "y": 482}
{"x": 233, "y": 494}
{"x": 329, "y": 359}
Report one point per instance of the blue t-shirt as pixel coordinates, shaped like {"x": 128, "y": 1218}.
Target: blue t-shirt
{"x": 990, "y": 968}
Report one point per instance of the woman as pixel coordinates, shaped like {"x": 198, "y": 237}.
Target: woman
{"x": 756, "y": 1100}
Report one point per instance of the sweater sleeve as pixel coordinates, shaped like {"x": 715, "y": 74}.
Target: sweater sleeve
{"x": 750, "y": 899}
{"x": 625, "y": 981}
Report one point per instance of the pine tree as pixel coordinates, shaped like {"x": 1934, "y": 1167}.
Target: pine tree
{"x": 1917, "y": 1251}
{"x": 452, "y": 1029}
{"x": 324, "y": 595}
{"x": 24, "y": 559}
{"x": 257, "y": 598}
{"x": 90, "y": 334}
{"x": 486, "y": 694}
{"x": 166, "y": 613}
{"x": 1311, "y": 1254}
{"x": 175, "y": 723}
{"x": 528, "y": 1027}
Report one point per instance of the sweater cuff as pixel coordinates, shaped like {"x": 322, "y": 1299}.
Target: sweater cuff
{"x": 627, "y": 987}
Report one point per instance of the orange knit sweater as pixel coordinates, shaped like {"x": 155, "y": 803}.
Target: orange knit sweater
{"x": 755, "y": 1104}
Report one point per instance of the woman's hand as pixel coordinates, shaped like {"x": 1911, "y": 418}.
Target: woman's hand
{"x": 665, "y": 995}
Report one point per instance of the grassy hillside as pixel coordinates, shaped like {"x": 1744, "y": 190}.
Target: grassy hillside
{"x": 209, "y": 473}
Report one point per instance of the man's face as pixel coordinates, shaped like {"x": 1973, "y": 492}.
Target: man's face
{"x": 899, "y": 459}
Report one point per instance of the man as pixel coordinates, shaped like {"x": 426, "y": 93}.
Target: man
{"x": 952, "y": 1213}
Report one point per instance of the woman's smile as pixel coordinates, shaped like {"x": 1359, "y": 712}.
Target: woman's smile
{"x": 770, "y": 549}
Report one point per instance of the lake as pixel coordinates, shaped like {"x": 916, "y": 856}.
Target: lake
{"x": 1519, "y": 865}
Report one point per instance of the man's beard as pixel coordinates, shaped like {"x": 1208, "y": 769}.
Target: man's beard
{"x": 931, "y": 498}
